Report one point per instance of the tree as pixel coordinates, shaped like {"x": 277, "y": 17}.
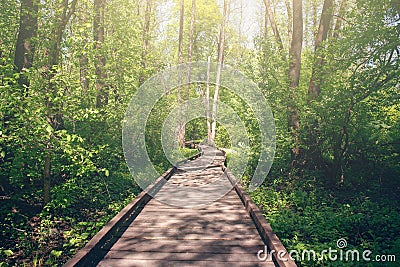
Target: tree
{"x": 321, "y": 36}
{"x": 25, "y": 46}
{"x": 221, "y": 48}
{"x": 83, "y": 55}
{"x": 294, "y": 78}
{"x": 100, "y": 60}
{"x": 145, "y": 37}
{"x": 339, "y": 20}
{"x": 190, "y": 53}
{"x": 207, "y": 99}
{"x": 314, "y": 153}
{"x": 290, "y": 20}
{"x": 271, "y": 17}
{"x": 53, "y": 108}
{"x": 180, "y": 74}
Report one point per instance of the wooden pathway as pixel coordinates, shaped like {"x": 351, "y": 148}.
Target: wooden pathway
{"x": 195, "y": 219}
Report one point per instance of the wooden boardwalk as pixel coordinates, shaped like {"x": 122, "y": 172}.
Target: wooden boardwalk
{"x": 195, "y": 219}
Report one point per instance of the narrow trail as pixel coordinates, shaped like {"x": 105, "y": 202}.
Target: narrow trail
{"x": 198, "y": 217}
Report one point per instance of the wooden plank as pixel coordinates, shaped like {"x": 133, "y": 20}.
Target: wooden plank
{"x": 83, "y": 256}
{"x": 187, "y": 236}
{"x": 177, "y": 213}
{"x": 205, "y": 229}
{"x": 157, "y": 263}
{"x": 219, "y": 234}
{"x": 176, "y": 223}
{"x": 186, "y": 256}
{"x": 193, "y": 217}
{"x": 222, "y": 202}
{"x": 223, "y": 208}
{"x": 209, "y": 231}
{"x": 182, "y": 248}
{"x": 273, "y": 242}
{"x": 209, "y": 246}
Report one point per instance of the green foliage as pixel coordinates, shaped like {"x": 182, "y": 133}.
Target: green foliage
{"x": 355, "y": 120}
{"x": 188, "y": 152}
{"x": 308, "y": 216}
{"x": 78, "y": 210}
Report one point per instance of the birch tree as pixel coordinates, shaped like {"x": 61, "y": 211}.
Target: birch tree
{"x": 188, "y": 73}
{"x": 221, "y": 48}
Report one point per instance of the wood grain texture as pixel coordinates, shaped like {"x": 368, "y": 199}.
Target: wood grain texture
{"x": 177, "y": 227}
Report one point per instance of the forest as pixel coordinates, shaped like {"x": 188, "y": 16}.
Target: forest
{"x": 329, "y": 70}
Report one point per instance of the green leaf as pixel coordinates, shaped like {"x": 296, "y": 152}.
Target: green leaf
{"x": 106, "y": 172}
{"x": 49, "y": 129}
{"x": 8, "y": 252}
{"x": 56, "y": 253}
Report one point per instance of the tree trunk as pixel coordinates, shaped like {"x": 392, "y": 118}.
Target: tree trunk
{"x": 322, "y": 35}
{"x": 331, "y": 20}
{"x": 221, "y": 49}
{"x": 47, "y": 178}
{"x": 266, "y": 24}
{"x": 315, "y": 16}
{"x": 53, "y": 109}
{"x": 294, "y": 78}
{"x": 271, "y": 17}
{"x": 307, "y": 12}
{"x": 25, "y": 47}
{"x": 180, "y": 78}
{"x": 189, "y": 70}
{"x": 265, "y": 33}
{"x": 290, "y": 20}
{"x": 83, "y": 73}
{"x": 314, "y": 153}
{"x": 145, "y": 37}
{"x": 100, "y": 60}
{"x": 208, "y": 101}
{"x": 84, "y": 60}
{"x": 339, "y": 20}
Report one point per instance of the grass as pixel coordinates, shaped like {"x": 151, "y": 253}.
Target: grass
{"x": 189, "y": 152}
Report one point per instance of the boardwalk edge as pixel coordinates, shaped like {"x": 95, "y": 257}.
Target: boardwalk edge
{"x": 272, "y": 240}
{"x": 86, "y": 255}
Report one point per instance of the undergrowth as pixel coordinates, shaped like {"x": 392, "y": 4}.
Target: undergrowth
{"x": 307, "y": 214}
{"x": 34, "y": 236}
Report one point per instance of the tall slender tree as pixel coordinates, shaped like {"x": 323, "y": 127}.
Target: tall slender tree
{"x": 321, "y": 36}
{"x": 54, "y": 114}
{"x": 83, "y": 57}
{"x": 272, "y": 20}
{"x": 339, "y": 20}
{"x": 180, "y": 74}
{"x": 208, "y": 101}
{"x": 221, "y": 49}
{"x": 188, "y": 73}
{"x": 314, "y": 153}
{"x": 146, "y": 38}
{"x": 25, "y": 46}
{"x": 294, "y": 78}
{"x": 290, "y": 20}
{"x": 100, "y": 60}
